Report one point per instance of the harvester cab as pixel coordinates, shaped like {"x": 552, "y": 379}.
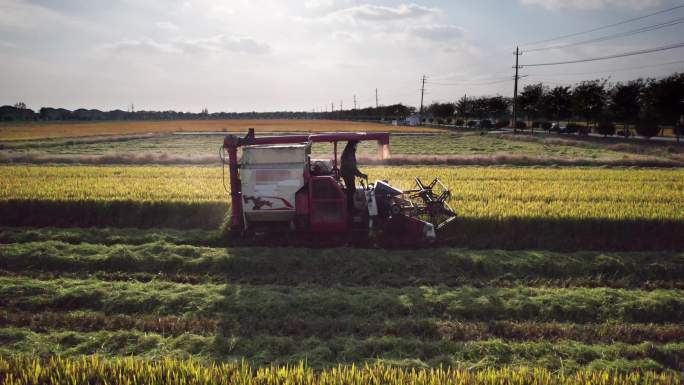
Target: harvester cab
{"x": 276, "y": 186}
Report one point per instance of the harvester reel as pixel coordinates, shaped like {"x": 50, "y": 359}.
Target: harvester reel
{"x": 434, "y": 208}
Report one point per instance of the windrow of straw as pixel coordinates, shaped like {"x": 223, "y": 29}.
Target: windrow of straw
{"x": 342, "y": 266}
{"x": 326, "y": 328}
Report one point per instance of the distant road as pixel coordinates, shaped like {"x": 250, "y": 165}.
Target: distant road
{"x": 592, "y": 134}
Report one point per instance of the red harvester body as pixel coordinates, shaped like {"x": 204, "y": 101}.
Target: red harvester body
{"x": 276, "y": 186}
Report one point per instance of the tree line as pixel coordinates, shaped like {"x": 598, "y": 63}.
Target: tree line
{"x": 19, "y": 112}
{"x": 645, "y": 104}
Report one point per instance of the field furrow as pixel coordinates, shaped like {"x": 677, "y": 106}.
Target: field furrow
{"x": 342, "y": 266}
{"x": 330, "y": 328}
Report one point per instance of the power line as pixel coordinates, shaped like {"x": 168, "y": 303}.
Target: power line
{"x": 624, "y": 54}
{"x": 543, "y": 78}
{"x": 605, "y": 27}
{"x": 612, "y": 70}
{"x": 649, "y": 28}
{"x": 507, "y": 79}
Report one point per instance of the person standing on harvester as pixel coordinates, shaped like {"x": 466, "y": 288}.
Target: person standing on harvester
{"x": 349, "y": 171}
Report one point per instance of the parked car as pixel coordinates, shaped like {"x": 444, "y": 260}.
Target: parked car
{"x": 485, "y": 123}
{"x": 570, "y": 128}
{"x": 624, "y": 133}
{"x": 501, "y": 124}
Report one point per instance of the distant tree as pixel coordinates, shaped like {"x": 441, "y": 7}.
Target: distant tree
{"x": 647, "y": 126}
{"x": 589, "y": 99}
{"x": 480, "y": 107}
{"x": 606, "y": 127}
{"x": 625, "y": 102}
{"x": 441, "y": 110}
{"x": 464, "y": 108}
{"x": 498, "y": 107}
{"x": 558, "y": 102}
{"x": 530, "y": 100}
{"x": 14, "y": 113}
{"x": 665, "y": 98}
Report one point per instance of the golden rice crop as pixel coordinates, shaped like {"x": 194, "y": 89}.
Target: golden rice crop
{"x": 27, "y": 131}
{"x": 98, "y": 370}
{"x": 478, "y": 192}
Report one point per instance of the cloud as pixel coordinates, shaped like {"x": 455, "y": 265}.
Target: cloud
{"x": 312, "y": 4}
{"x": 166, "y": 26}
{"x": 437, "y": 32}
{"x": 141, "y": 46}
{"x": 244, "y": 44}
{"x": 218, "y": 43}
{"x": 593, "y": 4}
{"x": 375, "y": 13}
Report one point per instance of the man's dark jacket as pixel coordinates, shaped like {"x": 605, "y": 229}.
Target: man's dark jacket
{"x": 349, "y": 169}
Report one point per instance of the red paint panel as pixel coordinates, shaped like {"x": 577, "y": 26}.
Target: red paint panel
{"x": 261, "y": 176}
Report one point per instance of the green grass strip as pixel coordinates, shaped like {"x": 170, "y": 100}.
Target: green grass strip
{"x": 287, "y": 350}
{"x": 348, "y": 266}
{"x": 244, "y": 302}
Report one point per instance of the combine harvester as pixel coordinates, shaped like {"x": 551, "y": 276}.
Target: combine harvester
{"x": 277, "y": 188}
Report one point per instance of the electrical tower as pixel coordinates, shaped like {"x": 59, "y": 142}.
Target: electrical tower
{"x": 354, "y": 101}
{"x": 422, "y": 95}
{"x": 515, "y": 90}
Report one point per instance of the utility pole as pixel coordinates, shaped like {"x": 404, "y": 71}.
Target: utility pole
{"x": 422, "y": 95}
{"x": 332, "y": 107}
{"x": 354, "y": 101}
{"x": 515, "y": 91}
{"x": 341, "y": 105}
{"x": 376, "y": 98}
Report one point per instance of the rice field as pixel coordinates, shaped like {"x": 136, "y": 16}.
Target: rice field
{"x": 453, "y": 148}
{"x": 497, "y": 207}
{"x": 29, "y": 131}
{"x": 477, "y": 192}
{"x": 53, "y": 371}
{"x": 549, "y": 275}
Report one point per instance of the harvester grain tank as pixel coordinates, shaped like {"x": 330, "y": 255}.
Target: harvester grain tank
{"x": 277, "y": 186}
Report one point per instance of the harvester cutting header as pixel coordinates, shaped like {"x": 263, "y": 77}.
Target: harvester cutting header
{"x": 276, "y": 186}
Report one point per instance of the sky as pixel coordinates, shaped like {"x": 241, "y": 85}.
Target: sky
{"x": 275, "y": 55}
